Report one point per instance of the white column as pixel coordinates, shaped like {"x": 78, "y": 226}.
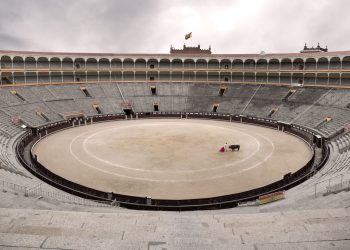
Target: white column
{"x": 122, "y": 71}
{"x": 279, "y": 78}
{"x": 328, "y": 78}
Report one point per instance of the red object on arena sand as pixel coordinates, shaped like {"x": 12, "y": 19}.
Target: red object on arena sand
{"x": 222, "y": 149}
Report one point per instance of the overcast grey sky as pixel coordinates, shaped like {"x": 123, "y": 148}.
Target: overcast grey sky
{"x": 151, "y": 26}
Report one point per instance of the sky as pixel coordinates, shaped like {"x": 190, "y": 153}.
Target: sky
{"x": 152, "y": 26}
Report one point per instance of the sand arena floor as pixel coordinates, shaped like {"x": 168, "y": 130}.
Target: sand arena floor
{"x": 172, "y": 158}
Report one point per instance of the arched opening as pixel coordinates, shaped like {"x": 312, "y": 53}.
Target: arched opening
{"x": 116, "y": 63}
{"x": 310, "y": 64}
{"x": 103, "y": 63}
{"x": 249, "y": 64}
{"x": 334, "y": 63}
{"x": 140, "y": 63}
{"x": 43, "y": 63}
{"x": 189, "y": 64}
{"x": 261, "y": 64}
{"x": 346, "y": 62}
{"x": 322, "y": 63}
{"x": 274, "y": 64}
{"x": 55, "y": 63}
{"x": 152, "y": 63}
{"x": 164, "y": 63}
{"x": 30, "y": 63}
{"x": 201, "y": 64}
{"x": 91, "y": 63}
{"x": 67, "y": 63}
{"x": 298, "y": 64}
{"x": 176, "y": 64}
{"x": 286, "y": 64}
{"x": 213, "y": 64}
{"x": 6, "y": 62}
{"x": 79, "y": 63}
{"x": 225, "y": 64}
{"x": 237, "y": 64}
{"x": 128, "y": 63}
{"x": 18, "y": 62}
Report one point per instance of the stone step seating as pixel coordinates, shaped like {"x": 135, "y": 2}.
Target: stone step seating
{"x": 19, "y": 183}
{"x": 341, "y": 166}
{"x": 6, "y": 125}
{"x": 27, "y": 113}
{"x": 337, "y": 170}
{"x": 7, "y": 98}
{"x": 5, "y": 161}
{"x": 307, "y": 229}
{"x": 18, "y": 179}
{"x": 343, "y": 142}
{"x": 340, "y": 118}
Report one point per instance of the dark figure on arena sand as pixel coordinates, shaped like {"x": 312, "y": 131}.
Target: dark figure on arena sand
{"x": 233, "y": 147}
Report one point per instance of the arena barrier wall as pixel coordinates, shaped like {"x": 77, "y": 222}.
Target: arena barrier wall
{"x": 28, "y": 160}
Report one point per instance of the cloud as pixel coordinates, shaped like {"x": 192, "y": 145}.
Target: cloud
{"x": 139, "y": 26}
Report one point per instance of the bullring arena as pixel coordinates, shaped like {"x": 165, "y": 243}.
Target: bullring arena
{"x": 94, "y": 147}
{"x": 164, "y": 159}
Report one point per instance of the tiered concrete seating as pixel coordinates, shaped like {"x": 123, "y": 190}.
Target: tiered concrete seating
{"x": 265, "y": 99}
{"x": 8, "y": 99}
{"x": 306, "y": 229}
{"x": 320, "y": 221}
{"x": 7, "y": 127}
{"x": 27, "y": 113}
{"x": 42, "y": 92}
{"x": 69, "y": 91}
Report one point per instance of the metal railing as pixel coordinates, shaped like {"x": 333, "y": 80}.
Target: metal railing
{"x": 38, "y": 191}
{"x": 331, "y": 185}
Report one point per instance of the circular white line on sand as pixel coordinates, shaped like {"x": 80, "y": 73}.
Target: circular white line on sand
{"x": 168, "y": 180}
{"x": 226, "y": 165}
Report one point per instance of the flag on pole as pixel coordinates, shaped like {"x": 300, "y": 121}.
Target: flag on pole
{"x": 188, "y": 36}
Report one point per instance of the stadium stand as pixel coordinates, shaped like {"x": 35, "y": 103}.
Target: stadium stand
{"x": 306, "y": 89}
